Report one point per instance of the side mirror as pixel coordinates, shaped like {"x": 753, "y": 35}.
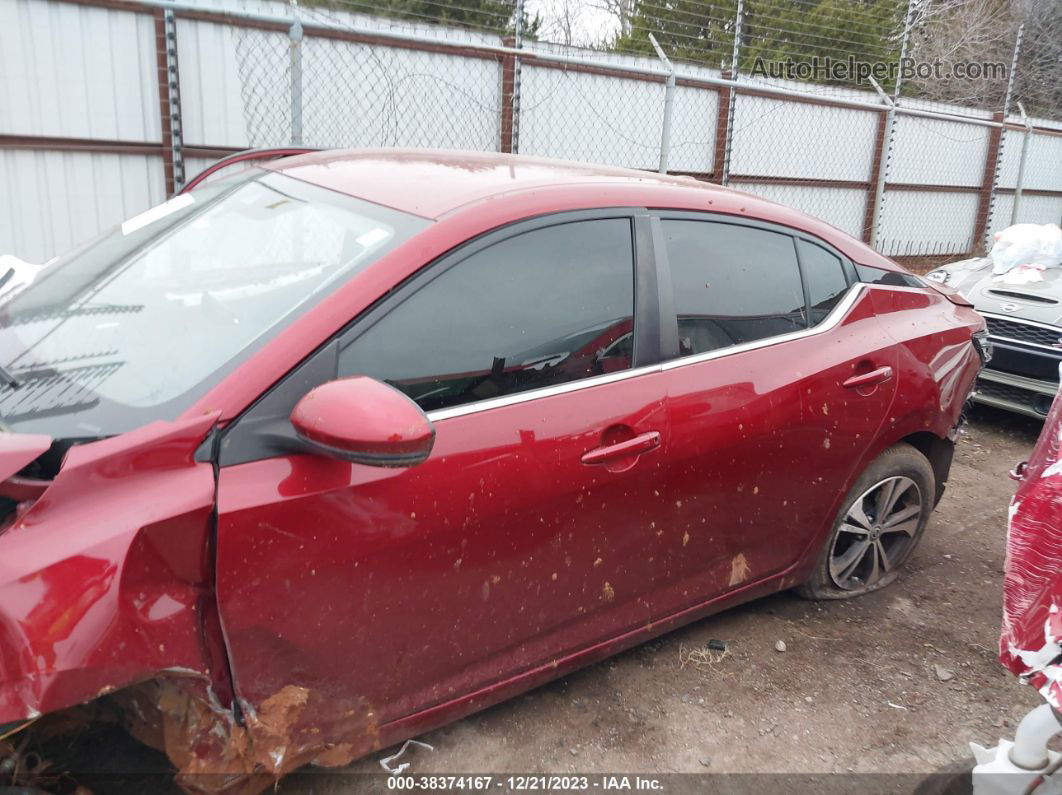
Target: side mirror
{"x": 365, "y": 421}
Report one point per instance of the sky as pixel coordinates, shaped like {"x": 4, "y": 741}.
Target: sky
{"x": 588, "y": 23}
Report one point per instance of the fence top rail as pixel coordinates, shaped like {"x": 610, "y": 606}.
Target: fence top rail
{"x": 314, "y": 24}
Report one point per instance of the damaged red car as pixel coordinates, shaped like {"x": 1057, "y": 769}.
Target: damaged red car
{"x": 338, "y": 449}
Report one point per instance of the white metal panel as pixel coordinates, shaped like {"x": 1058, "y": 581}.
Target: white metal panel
{"x": 1001, "y": 210}
{"x": 1009, "y": 156}
{"x": 591, "y": 117}
{"x": 921, "y": 222}
{"x": 796, "y": 139}
{"x": 841, "y": 207}
{"x": 76, "y": 71}
{"x": 361, "y": 95}
{"x": 935, "y": 152}
{"x": 212, "y": 105}
{"x": 55, "y": 200}
{"x": 1039, "y": 210}
{"x": 693, "y": 122}
{"x": 1043, "y": 169}
{"x": 1043, "y": 166}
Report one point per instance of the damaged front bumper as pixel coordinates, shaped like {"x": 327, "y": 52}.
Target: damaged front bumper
{"x": 107, "y": 589}
{"x": 104, "y": 579}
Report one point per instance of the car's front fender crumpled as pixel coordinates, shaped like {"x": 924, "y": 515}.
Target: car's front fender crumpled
{"x": 1031, "y": 642}
{"x": 103, "y": 578}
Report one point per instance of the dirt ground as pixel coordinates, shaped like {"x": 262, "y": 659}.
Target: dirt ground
{"x": 856, "y": 689}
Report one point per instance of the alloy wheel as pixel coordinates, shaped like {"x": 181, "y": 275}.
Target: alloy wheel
{"x": 876, "y": 534}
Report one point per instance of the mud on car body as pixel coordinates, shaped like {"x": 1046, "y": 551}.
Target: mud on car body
{"x": 328, "y": 453}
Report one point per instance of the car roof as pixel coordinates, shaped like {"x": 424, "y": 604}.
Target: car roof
{"x": 434, "y": 184}
{"x": 447, "y": 180}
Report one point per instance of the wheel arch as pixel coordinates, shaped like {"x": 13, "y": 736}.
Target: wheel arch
{"x": 939, "y": 452}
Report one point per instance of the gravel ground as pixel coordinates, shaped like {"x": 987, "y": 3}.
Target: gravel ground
{"x": 858, "y": 688}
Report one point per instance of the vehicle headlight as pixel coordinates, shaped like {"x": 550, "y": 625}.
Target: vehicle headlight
{"x": 939, "y": 276}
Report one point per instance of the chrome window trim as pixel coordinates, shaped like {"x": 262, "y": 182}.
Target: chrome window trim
{"x": 542, "y": 392}
{"x": 828, "y": 323}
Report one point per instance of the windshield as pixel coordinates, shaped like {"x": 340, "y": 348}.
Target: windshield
{"x": 136, "y": 325}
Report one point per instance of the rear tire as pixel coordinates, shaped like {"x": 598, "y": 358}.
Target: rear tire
{"x": 878, "y": 527}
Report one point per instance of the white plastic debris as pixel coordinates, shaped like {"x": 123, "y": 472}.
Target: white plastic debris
{"x": 385, "y": 763}
{"x": 1022, "y": 766}
{"x": 1027, "y": 244}
{"x": 1022, "y": 274}
{"x": 996, "y": 774}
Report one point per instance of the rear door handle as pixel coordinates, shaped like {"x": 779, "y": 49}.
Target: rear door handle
{"x": 642, "y": 443}
{"x": 879, "y": 376}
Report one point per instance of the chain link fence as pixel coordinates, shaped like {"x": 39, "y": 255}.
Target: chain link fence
{"x": 883, "y": 159}
{"x": 388, "y": 96}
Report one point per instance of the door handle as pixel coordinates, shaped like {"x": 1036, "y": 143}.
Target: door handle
{"x": 879, "y": 376}
{"x": 642, "y": 443}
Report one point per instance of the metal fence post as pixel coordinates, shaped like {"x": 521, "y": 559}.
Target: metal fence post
{"x": 1013, "y": 69}
{"x": 1002, "y": 140}
{"x": 735, "y": 51}
{"x": 888, "y": 132}
{"x": 883, "y": 165}
{"x": 295, "y": 36}
{"x": 669, "y": 101}
{"x": 735, "y": 62}
{"x": 1025, "y": 140}
{"x": 518, "y": 43}
{"x": 170, "y": 100}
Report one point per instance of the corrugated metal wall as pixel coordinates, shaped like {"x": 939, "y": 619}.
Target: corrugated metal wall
{"x": 81, "y": 130}
{"x": 78, "y": 72}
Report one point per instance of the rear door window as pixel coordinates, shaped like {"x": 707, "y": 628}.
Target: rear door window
{"x": 732, "y": 284}
{"x": 540, "y": 308}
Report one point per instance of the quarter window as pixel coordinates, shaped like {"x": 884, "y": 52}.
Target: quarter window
{"x": 541, "y": 308}
{"x": 732, "y": 284}
{"x": 824, "y": 275}
{"x": 872, "y": 275}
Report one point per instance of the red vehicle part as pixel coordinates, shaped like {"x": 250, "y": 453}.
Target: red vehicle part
{"x": 104, "y": 579}
{"x": 247, "y": 157}
{"x": 1031, "y": 641}
{"x": 356, "y": 605}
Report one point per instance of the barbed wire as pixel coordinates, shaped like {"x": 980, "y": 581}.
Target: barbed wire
{"x": 606, "y": 104}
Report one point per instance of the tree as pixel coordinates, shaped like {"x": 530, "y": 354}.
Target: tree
{"x": 687, "y": 30}
{"x": 495, "y": 16}
{"x": 703, "y": 31}
{"x": 955, "y": 32}
{"x": 776, "y": 30}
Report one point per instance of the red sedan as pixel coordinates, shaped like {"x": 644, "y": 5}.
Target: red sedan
{"x": 336, "y": 450}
